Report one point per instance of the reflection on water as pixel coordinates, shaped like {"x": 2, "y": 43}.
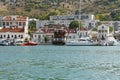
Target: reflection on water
{"x": 60, "y": 63}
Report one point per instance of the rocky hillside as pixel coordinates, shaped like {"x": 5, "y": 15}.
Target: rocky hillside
{"x": 44, "y": 8}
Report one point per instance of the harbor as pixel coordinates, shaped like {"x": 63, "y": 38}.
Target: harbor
{"x": 59, "y": 40}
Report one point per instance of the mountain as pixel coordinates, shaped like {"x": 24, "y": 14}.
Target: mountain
{"x": 43, "y": 8}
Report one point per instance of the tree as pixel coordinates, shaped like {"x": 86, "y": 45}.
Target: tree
{"x": 102, "y": 17}
{"x": 56, "y": 12}
{"x": 74, "y": 25}
{"x": 46, "y": 39}
{"x": 32, "y": 26}
{"x": 94, "y": 29}
{"x": 111, "y": 29}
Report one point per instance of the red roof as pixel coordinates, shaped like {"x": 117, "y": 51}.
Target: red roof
{"x": 18, "y": 18}
{"x": 12, "y": 30}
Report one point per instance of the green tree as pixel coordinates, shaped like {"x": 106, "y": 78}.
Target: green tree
{"x": 102, "y": 17}
{"x": 94, "y": 29}
{"x": 74, "y": 25}
{"x": 111, "y": 29}
{"x": 56, "y": 12}
{"x": 32, "y": 26}
{"x": 46, "y": 39}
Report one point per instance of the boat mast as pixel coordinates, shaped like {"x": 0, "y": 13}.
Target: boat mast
{"x": 79, "y": 16}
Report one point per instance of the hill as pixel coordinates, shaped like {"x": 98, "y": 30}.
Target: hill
{"x": 42, "y": 9}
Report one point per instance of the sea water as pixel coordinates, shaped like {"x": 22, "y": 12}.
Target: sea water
{"x": 47, "y": 62}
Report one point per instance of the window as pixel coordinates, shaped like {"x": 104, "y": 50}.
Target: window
{"x": 39, "y": 36}
{"x": 105, "y": 30}
{"x": 35, "y": 35}
{"x": 20, "y": 24}
{"x": 24, "y": 23}
{"x": 73, "y": 37}
{"x": 1, "y": 36}
{"x": 8, "y": 36}
{"x": 4, "y": 36}
{"x": 12, "y": 36}
{"x": 7, "y": 23}
{"x": 21, "y": 36}
{"x": 13, "y": 18}
{"x": 70, "y": 37}
{"x": 3, "y": 23}
{"x": 102, "y": 27}
{"x": 15, "y": 36}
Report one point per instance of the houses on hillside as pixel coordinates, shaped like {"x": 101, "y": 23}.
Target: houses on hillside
{"x": 86, "y": 19}
{"x": 16, "y": 27}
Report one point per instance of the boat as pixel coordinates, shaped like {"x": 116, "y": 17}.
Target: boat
{"x": 28, "y": 43}
{"x": 18, "y": 43}
{"x": 81, "y": 42}
{"x": 59, "y": 37}
{"x": 7, "y": 43}
{"x": 4, "y": 43}
{"x": 111, "y": 41}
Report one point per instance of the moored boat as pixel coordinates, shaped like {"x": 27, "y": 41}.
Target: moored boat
{"x": 29, "y": 43}
{"x": 4, "y": 43}
{"x": 81, "y": 42}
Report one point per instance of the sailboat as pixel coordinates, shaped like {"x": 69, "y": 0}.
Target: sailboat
{"x": 80, "y": 41}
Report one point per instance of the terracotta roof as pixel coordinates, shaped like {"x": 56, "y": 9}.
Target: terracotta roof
{"x": 18, "y": 18}
{"x": 12, "y": 30}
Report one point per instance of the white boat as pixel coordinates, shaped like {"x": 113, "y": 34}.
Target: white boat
{"x": 110, "y": 42}
{"x": 81, "y": 42}
{"x": 4, "y": 43}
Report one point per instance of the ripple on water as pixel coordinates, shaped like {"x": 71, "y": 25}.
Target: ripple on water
{"x": 60, "y": 63}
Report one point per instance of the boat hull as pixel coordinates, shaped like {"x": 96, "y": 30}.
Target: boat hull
{"x": 79, "y": 44}
{"x": 29, "y": 44}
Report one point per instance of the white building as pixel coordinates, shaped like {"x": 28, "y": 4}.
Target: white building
{"x": 73, "y": 17}
{"x": 103, "y": 32}
{"x": 14, "y": 27}
{"x": 87, "y": 20}
{"x": 115, "y": 24}
{"x": 41, "y": 23}
{"x": 71, "y": 35}
{"x": 38, "y": 37}
{"x": 0, "y": 21}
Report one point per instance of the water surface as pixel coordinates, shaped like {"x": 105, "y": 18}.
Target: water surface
{"x": 60, "y": 63}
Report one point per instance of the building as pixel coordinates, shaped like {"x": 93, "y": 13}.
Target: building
{"x": 41, "y": 23}
{"x": 46, "y": 33}
{"x": 71, "y": 34}
{"x": 86, "y": 19}
{"x": 38, "y": 36}
{"x": 114, "y": 24}
{"x": 0, "y": 21}
{"x": 14, "y": 27}
{"x": 73, "y": 17}
{"x": 103, "y": 32}
{"x": 83, "y": 32}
